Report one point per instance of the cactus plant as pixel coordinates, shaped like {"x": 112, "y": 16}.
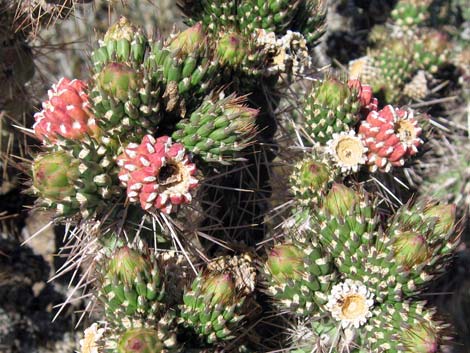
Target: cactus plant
{"x": 79, "y": 180}
{"x": 412, "y": 46}
{"x": 162, "y": 166}
{"x": 376, "y": 273}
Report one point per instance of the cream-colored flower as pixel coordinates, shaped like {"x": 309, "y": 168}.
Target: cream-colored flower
{"x": 347, "y": 150}
{"x": 363, "y": 69}
{"x": 289, "y": 53}
{"x": 89, "y": 343}
{"x": 350, "y": 303}
{"x": 417, "y": 88}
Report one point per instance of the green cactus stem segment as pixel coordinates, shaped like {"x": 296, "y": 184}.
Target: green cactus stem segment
{"x": 124, "y": 43}
{"x": 331, "y": 107}
{"x": 212, "y": 307}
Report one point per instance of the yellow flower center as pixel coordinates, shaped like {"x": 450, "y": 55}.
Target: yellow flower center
{"x": 353, "y": 306}
{"x": 406, "y": 130}
{"x": 349, "y": 150}
{"x": 357, "y": 68}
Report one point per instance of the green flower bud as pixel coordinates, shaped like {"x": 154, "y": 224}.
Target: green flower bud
{"x": 221, "y": 287}
{"x": 140, "y": 340}
{"x": 189, "y": 40}
{"x": 126, "y": 264}
{"x": 410, "y": 249}
{"x": 118, "y": 80}
{"x": 421, "y": 338}
{"x": 314, "y": 175}
{"x": 232, "y": 49}
{"x": 340, "y": 200}
{"x": 285, "y": 261}
{"x": 445, "y": 218}
{"x": 54, "y": 175}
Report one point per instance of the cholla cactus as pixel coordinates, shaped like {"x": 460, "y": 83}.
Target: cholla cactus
{"x": 423, "y": 235}
{"x": 411, "y": 13}
{"x": 78, "y": 177}
{"x": 132, "y": 289}
{"x": 123, "y": 98}
{"x": 401, "y": 50}
{"x": 431, "y": 50}
{"x": 135, "y": 336}
{"x": 298, "y": 276}
{"x": 186, "y": 64}
{"x": 20, "y": 51}
{"x": 218, "y": 129}
{"x": 392, "y": 73}
{"x": 306, "y": 16}
{"x": 348, "y": 132}
{"x": 153, "y": 160}
{"x": 309, "y": 180}
{"x": 331, "y": 107}
{"x": 132, "y": 285}
{"x": 406, "y": 327}
{"x": 241, "y": 30}
{"x": 375, "y": 273}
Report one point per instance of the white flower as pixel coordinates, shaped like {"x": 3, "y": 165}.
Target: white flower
{"x": 89, "y": 343}
{"x": 347, "y": 150}
{"x": 350, "y": 302}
